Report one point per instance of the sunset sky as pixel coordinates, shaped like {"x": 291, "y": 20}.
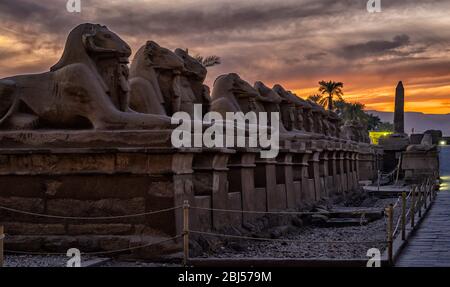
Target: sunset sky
{"x": 293, "y": 42}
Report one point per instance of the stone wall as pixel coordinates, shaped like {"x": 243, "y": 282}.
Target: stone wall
{"x": 124, "y": 179}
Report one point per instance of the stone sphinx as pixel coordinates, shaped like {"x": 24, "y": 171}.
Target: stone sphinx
{"x": 355, "y": 131}
{"x": 296, "y": 112}
{"x": 190, "y": 86}
{"x": 333, "y": 124}
{"x": 268, "y": 101}
{"x": 148, "y": 64}
{"x": 289, "y": 114}
{"x": 88, "y": 88}
{"x": 165, "y": 82}
{"x": 426, "y": 144}
{"x": 232, "y": 94}
{"x": 317, "y": 112}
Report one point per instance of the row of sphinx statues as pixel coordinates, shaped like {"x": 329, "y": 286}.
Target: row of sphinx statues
{"x": 93, "y": 86}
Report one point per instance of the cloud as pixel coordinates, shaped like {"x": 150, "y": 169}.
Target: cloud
{"x": 315, "y": 56}
{"x": 374, "y": 47}
{"x": 294, "y": 42}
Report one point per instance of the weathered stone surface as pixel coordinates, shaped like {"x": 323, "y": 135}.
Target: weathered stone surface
{"x": 91, "y": 77}
{"x": 23, "y": 204}
{"x": 225, "y": 97}
{"x": 100, "y": 229}
{"x": 113, "y": 243}
{"x": 235, "y": 203}
{"x": 104, "y": 207}
{"x": 16, "y": 228}
{"x": 202, "y": 219}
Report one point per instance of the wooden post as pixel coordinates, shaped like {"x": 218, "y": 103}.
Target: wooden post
{"x": 413, "y": 207}
{"x": 186, "y": 232}
{"x": 425, "y": 197}
{"x": 403, "y": 215}
{"x": 390, "y": 224}
{"x": 2, "y": 237}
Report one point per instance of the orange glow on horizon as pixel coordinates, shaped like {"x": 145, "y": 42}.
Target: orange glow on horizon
{"x": 382, "y": 99}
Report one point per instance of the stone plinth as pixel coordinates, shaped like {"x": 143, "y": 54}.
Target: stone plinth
{"x": 418, "y": 165}
{"x": 71, "y": 179}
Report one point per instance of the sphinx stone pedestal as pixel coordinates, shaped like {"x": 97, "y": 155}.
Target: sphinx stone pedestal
{"x": 419, "y": 165}
{"x": 72, "y": 178}
{"x": 241, "y": 178}
{"x": 210, "y": 179}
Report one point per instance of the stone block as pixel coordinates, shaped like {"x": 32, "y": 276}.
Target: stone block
{"x": 16, "y": 228}
{"x": 100, "y": 229}
{"x": 201, "y": 219}
{"x": 89, "y": 208}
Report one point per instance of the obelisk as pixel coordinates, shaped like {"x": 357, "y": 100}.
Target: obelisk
{"x": 399, "y": 114}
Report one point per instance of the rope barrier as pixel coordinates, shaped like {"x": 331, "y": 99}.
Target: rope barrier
{"x": 282, "y": 212}
{"x": 397, "y": 202}
{"x": 396, "y": 229}
{"x": 283, "y": 240}
{"x": 89, "y": 218}
{"x": 409, "y": 195}
{"x": 97, "y": 253}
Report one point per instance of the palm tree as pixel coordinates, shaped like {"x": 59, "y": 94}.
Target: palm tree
{"x": 340, "y": 106}
{"x": 373, "y": 122}
{"x": 209, "y": 61}
{"x": 332, "y": 89}
{"x": 355, "y": 111}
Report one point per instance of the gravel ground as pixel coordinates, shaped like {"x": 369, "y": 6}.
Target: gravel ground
{"x": 309, "y": 248}
{"x": 35, "y": 261}
{"x": 118, "y": 263}
{"x": 61, "y": 261}
{"x": 373, "y": 231}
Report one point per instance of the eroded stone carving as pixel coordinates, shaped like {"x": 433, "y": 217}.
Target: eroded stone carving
{"x": 425, "y": 145}
{"x": 149, "y": 63}
{"x": 232, "y": 94}
{"x": 296, "y": 112}
{"x": 87, "y": 88}
{"x": 355, "y": 131}
{"x": 189, "y": 85}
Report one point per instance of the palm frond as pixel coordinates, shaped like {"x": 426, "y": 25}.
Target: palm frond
{"x": 315, "y": 98}
{"x": 211, "y": 61}
{"x": 208, "y": 61}
{"x": 199, "y": 58}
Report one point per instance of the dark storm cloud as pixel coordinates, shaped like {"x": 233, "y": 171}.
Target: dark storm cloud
{"x": 219, "y": 17}
{"x": 288, "y": 41}
{"x": 315, "y": 56}
{"x": 22, "y": 9}
{"x": 374, "y": 47}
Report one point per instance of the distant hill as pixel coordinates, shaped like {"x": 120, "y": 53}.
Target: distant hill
{"x": 419, "y": 121}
